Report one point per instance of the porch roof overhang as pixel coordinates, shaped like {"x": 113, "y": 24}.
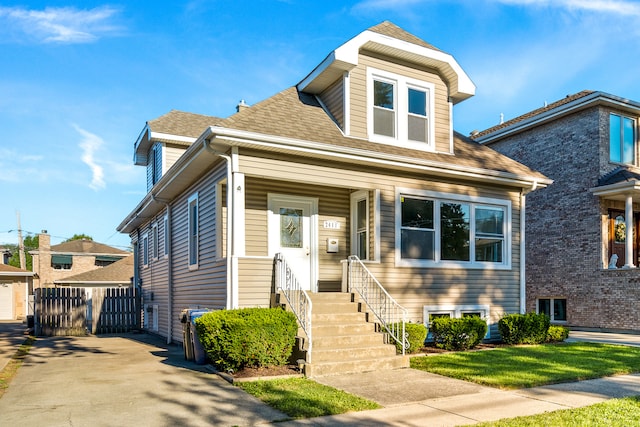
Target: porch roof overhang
{"x": 216, "y": 140}
{"x": 618, "y": 191}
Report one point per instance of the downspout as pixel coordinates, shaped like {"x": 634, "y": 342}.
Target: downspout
{"x": 169, "y": 271}
{"x": 523, "y": 240}
{"x": 230, "y": 216}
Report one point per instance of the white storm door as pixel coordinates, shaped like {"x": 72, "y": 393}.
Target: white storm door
{"x": 292, "y": 232}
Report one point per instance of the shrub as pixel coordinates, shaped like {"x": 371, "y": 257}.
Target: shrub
{"x": 530, "y": 328}
{"x": 557, "y": 333}
{"x": 458, "y": 334}
{"x": 416, "y": 334}
{"x": 253, "y": 337}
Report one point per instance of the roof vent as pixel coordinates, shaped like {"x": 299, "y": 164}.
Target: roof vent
{"x": 241, "y": 106}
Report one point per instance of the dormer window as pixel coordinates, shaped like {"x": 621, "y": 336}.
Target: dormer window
{"x": 399, "y": 110}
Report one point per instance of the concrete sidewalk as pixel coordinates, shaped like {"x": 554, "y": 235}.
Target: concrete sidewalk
{"x": 12, "y": 334}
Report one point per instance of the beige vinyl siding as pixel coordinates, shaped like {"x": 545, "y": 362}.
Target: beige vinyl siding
{"x": 412, "y": 287}
{"x": 333, "y": 99}
{"x": 171, "y": 154}
{"x": 255, "y": 282}
{"x": 206, "y": 286}
{"x": 441, "y": 116}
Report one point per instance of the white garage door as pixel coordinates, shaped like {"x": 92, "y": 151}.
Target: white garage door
{"x": 6, "y": 301}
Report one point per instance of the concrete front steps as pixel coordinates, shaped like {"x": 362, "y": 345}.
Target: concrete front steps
{"x": 343, "y": 339}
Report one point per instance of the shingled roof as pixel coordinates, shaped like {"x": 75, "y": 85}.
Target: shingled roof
{"x": 390, "y": 29}
{"x": 9, "y": 270}
{"x": 296, "y": 115}
{"x": 87, "y": 247}
{"x": 118, "y": 273}
{"x": 182, "y": 123}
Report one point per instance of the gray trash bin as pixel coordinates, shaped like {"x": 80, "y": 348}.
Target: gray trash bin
{"x": 199, "y": 355}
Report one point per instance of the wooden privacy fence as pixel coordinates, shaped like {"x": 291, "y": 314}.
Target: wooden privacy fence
{"x": 74, "y": 311}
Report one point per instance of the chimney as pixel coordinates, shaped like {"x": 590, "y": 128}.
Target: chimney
{"x": 44, "y": 241}
{"x": 241, "y": 106}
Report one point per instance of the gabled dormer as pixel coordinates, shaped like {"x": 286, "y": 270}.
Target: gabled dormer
{"x": 163, "y": 140}
{"x": 387, "y": 86}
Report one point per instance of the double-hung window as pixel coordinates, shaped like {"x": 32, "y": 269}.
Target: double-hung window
{"x": 622, "y": 139}
{"x": 145, "y": 250}
{"x": 360, "y": 224}
{"x": 166, "y": 235}
{"x": 400, "y": 110}
{"x": 154, "y": 240}
{"x": 193, "y": 230}
{"x": 443, "y": 230}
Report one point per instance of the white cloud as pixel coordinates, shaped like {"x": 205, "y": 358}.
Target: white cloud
{"x": 59, "y": 25}
{"x": 90, "y": 144}
{"x": 617, "y": 7}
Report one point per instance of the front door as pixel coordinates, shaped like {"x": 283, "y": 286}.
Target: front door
{"x": 617, "y": 237}
{"x": 292, "y": 232}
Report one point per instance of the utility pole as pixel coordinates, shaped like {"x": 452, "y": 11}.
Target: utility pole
{"x": 23, "y": 264}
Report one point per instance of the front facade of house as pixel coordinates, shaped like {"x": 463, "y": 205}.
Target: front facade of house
{"x": 57, "y": 262}
{"x": 15, "y": 286}
{"x": 360, "y": 158}
{"x": 581, "y": 228}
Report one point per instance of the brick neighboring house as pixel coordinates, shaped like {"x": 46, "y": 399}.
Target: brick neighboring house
{"x": 588, "y": 144}
{"x": 53, "y": 263}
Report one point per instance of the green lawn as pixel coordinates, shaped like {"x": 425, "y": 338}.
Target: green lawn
{"x": 304, "y": 398}
{"x": 615, "y": 412}
{"x": 531, "y": 366}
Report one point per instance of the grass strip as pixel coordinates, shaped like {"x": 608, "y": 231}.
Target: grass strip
{"x": 10, "y": 370}
{"x": 304, "y": 398}
{"x": 615, "y": 412}
{"x": 531, "y": 366}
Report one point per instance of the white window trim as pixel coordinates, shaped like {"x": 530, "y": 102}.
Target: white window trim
{"x": 193, "y": 198}
{"x": 635, "y": 140}
{"x": 551, "y": 301}
{"x": 165, "y": 246}
{"x": 155, "y": 244}
{"x": 456, "y": 312}
{"x": 355, "y": 198}
{"x": 439, "y": 197}
{"x": 145, "y": 250}
{"x": 401, "y": 84}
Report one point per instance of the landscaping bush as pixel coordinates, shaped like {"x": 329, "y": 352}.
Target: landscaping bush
{"x": 458, "y": 334}
{"x": 530, "y": 328}
{"x": 416, "y": 334}
{"x": 252, "y": 337}
{"x": 557, "y": 333}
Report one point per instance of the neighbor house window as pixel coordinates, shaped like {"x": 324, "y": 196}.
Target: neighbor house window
{"x": 434, "y": 231}
{"x": 400, "y": 110}
{"x": 622, "y": 147}
{"x": 193, "y": 230}
{"x": 555, "y": 308}
{"x": 61, "y": 262}
{"x": 360, "y": 224}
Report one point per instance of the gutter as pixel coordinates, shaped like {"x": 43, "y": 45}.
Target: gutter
{"x": 231, "y": 277}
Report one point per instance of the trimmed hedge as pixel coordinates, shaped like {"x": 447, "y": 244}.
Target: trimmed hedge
{"x": 252, "y": 337}
{"x": 557, "y": 333}
{"x": 530, "y": 328}
{"x": 458, "y": 334}
{"x": 416, "y": 334}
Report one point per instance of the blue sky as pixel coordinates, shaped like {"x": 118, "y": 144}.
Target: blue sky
{"x": 79, "y": 80}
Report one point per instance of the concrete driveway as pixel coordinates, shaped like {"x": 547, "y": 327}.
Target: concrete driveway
{"x": 12, "y": 334}
{"x": 126, "y": 380}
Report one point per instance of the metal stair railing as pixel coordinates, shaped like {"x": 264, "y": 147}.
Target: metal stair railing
{"x": 391, "y": 315}
{"x": 297, "y": 298}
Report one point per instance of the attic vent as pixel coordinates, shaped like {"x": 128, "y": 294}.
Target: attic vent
{"x": 241, "y": 106}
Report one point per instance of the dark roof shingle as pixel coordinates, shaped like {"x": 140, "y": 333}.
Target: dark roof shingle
{"x": 182, "y": 123}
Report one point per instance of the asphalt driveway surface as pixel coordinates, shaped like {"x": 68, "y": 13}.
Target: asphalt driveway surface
{"x": 125, "y": 380}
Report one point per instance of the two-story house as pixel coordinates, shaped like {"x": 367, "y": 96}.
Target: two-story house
{"x": 582, "y": 244}
{"x": 359, "y": 159}
{"x": 52, "y": 263}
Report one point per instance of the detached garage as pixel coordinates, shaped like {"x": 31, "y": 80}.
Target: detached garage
{"x": 15, "y": 286}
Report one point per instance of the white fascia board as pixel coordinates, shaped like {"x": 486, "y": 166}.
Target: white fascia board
{"x": 179, "y": 138}
{"x": 16, "y": 273}
{"x": 389, "y": 160}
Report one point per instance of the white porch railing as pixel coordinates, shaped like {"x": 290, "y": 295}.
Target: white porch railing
{"x": 297, "y": 298}
{"x": 391, "y": 315}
